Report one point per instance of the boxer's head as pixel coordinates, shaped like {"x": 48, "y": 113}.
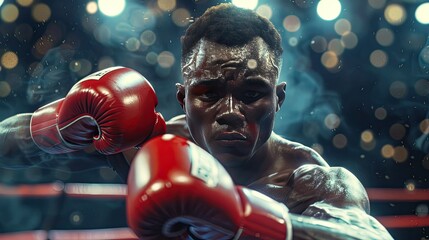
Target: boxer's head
{"x": 231, "y": 59}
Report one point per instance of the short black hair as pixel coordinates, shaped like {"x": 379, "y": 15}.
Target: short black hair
{"x": 230, "y": 25}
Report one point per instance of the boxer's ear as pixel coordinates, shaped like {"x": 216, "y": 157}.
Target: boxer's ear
{"x": 180, "y": 95}
{"x": 281, "y": 94}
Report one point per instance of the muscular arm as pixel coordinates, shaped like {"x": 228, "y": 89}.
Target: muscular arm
{"x": 335, "y": 195}
{"x": 17, "y": 149}
{"x": 325, "y": 203}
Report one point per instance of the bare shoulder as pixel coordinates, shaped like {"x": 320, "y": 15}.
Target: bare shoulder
{"x": 297, "y": 152}
{"x": 338, "y": 186}
{"x": 178, "y": 126}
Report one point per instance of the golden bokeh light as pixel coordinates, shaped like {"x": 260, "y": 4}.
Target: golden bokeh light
{"x": 384, "y": 37}
{"x": 329, "y": 59}
{"x": 9, "y": 60}
{"x": 91, "y": 7}
{"x": 424, "y": 126}
{"x": 401, "y": 154}
{"x": 342, "y": 26}
{"x": 378, "y": 58}
{"x": 166, "y": 5}
{"x": 5, "y": 89}
{"x": 265, "y": 11}
{"x": 25, "y": 3}
{"x": 395, "y": 14}
{"x": 336, "y": 46}
{"x": 387, "y": 151}
{"x": 9, "y": 13}
{"x": 349, "y": 40}
{"x": 181, "y": 17}
{"x": 367, "y": 136}
{"x": 41, "y": 12}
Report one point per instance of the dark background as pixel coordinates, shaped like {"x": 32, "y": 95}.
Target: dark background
{"x": 333, "y": 110}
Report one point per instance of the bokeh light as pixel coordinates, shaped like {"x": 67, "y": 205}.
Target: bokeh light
{"x": 166, "y": 5}
{"x": 422, "y": 13}
{"x": 397, "y": 131}
{"x": 166, "y": 59}
{"x": 342, "y": 26}
{"x": 367, "y": 136}
{"x": 181, "y": 17}
{"x": 291, "y": 23}
{"x": 9, "y": 13}
{"x": 339, "y": 141}
{"x": 398, "y": 89}
{"x": 91, "y": 7}
{"x": 410, "y": 185}
{"x": 377, "y": 4}
{"x": 378, "y": 58}
{"x": 111, "y": 8}
{"x": 395, "y": 14}
{"x": 329, "y": 59}
{"x": 380, "y": 113}
{"x": 424, "y": 55}
{"x": 249, "y": 4}
{"x": 9, "y": 60}
{"x": 384, "y": 37}
{"x": 329, "y": 9}
{"x": 319, "y": 44}
{"x": 41, "y": 12}
{"x": 24, "y": 3}
{"x": 422, "y": 87}
{"x": 132, "y": 44}
{"x": 349, "y": 40}
{"x": 424, "y": 126}
{"x": 318, "y": 148}
{"x": 336, "y": 46}
{"x": 265, "y": 11}
{"x": 401, "y": 154}
{"x": 151, "y": 58}
{"x": 332, "y": 121}
{"x": 148, "y": 37}
{"x": 252, "y": 64}
{"x": 5, "y": 89}
{"x": 387, "y": 151}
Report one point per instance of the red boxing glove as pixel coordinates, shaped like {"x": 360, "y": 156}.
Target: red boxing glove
{"x": 113, "y": 108}
{"x": 178, "y": 190}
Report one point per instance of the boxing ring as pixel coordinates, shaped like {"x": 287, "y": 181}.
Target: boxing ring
{"x": 117, "y": 192}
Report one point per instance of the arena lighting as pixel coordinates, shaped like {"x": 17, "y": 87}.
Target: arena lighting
{"x": 250, "y": 4}
{"x": 1, "y": 2}
{"x": 422, "y": 13}
{"x": 111, "y": 8}
{"x": 329, "y": 9}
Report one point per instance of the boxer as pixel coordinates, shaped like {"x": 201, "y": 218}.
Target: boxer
{"x": 231, "y": 59}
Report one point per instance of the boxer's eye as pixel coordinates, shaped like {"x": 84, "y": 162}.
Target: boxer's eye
{"x": 209, "y": 96}
{"x": 251, "y": 96}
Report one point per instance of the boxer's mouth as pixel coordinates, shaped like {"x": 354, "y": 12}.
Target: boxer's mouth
{"x": 231, "y": 136}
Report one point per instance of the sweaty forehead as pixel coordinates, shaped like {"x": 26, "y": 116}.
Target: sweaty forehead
{"x": 208, "y": 59}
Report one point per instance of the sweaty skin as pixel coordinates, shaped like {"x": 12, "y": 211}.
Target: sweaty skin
{"x": 230, "y": 96}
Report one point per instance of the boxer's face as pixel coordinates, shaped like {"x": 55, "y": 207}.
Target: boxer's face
{"x": 230, "y": 98}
